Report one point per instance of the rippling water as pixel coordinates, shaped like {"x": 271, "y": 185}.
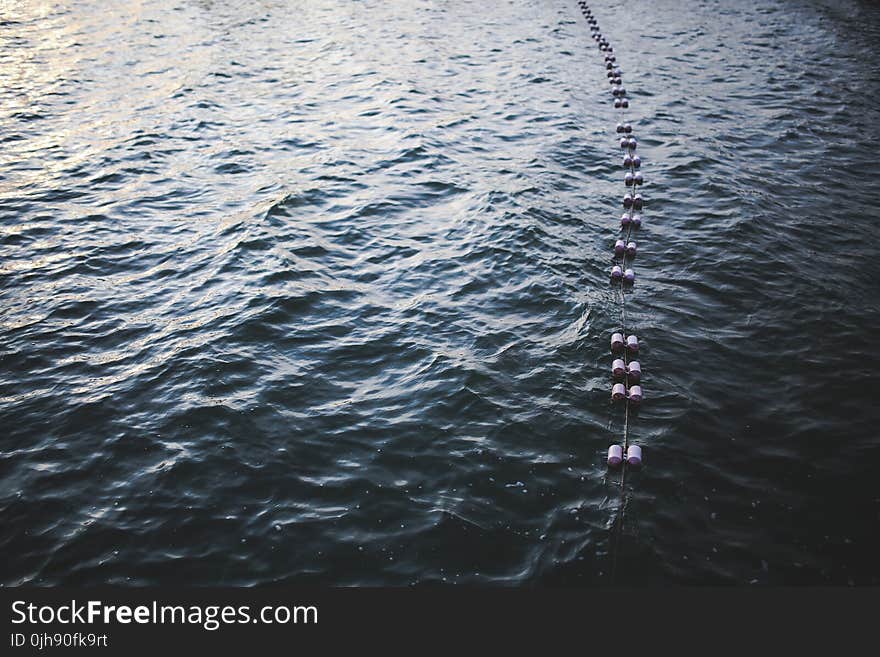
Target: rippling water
{"x": 316, "y": 292}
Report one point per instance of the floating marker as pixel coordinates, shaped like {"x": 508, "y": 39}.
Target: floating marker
{"x": 630, "y": 249}
{"x": 628, "y": 179}
{"x": 634, "y": 456}
{"x": 619, "y": 247}
{"x": 636, "y": 221}
{"x": 632, "y": 343}
{"x": 629, "y": 276}
{"x": 616, "y": 341}
{"x": 618, "y": 392}
{"x": 627, "y": 201}
{"x": 627, "y": 128}
{"x": 634, "y": 370}
{"x": 637, "y": 179}
{"x": 616, "y": 273}
{"x": 635, "y": 394}
{"x": 615, "y": 456}
{"x": 624, "y": 220}
{"x": 636, "y": 161}
{"x": 627, "y": 161}
{"x": 618, "y": 368}
{"x": 638, "y": 202}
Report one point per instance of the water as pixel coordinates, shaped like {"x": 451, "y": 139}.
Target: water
{"x": 316, "y": 292}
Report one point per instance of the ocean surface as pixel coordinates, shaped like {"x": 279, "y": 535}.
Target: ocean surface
{"x": 317, "y": 292}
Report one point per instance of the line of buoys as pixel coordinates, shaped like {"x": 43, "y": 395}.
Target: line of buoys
{"x": 626, "y": 373}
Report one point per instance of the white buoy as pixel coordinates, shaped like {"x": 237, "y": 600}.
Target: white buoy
{"x": 635, "y": 394}
{"x": 619, "y": 247}
{"x": 629, "y": 276}
{"x": 616, "y": 273}
{"x": 618, "y": 392}
{"x": 634, "y": 456}
{"x": 616, "y": 341}
{"x": 634, "y": 371}
{"x": 615, "y": 456}
{"x": 618, "y": 368}
{"x": 631, "y": 249}
{"x": 632, "y": 343}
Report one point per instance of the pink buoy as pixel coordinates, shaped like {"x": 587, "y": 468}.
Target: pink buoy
{"x": 618, "y": 368}
{"x": 632, "y": 343}
{"x": 619, "y": 248}
{"x": 634, "y": 456}
{"x": 629, "y": 276}
{"x": 616, "y": 273}
{"x": 618, "y": 392}
{"x": 616, "y": 341}
{"x": 636, "y": 220}
{"x": 631, "y": 249}
{"x": 634, "y": 370}
{"x": 624, "y": 220}
{"x": 635, "y": 394}
{"x": 615, "y": 456}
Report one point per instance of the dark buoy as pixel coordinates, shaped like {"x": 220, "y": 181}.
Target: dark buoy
{"x": 619, "y": 128}
{"x": 617, "y": 103}
{"x": 624, "y": 220}
{"x": 630, "y": 249}
{"x": 638, "y": 179}
{"x": 619, "y": 247}
{"x": 627, "y": 128}
{"x": 637, "y": 202}
{"x": 627, "y": 201}
{"x": 629, "y": 276}
{"x": 616, "y": 273}
{"x": 624, "y": 103}
{"x": 636, "y": 161}
{"x": 628, "y": 179}
{"x": 636, "y": 221}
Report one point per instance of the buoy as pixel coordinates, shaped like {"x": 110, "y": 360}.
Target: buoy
{"x": 629, "y": 276}
{"x": 616, "y": 273}
{"x": 634, "y": 456}
{"x": 624, "y": 143}
{"x": 632, "y": 343}
{"x": 624, "y": 103}
{"x": 636, "y": 161}
{"x": 627, "y": 128}
{"x": 615, "y": 456}
{"x": 627, "y": 201}
{"x": 637, "y": 201}
{"x": 631, "y": 143}
{"x": 619, "y": 248}
{"x": 624, "y": 220}
{"x": 630, "y": 249}
{"x": 628, "y": 179}
{"x": 637, "y": 179}
{"x": 635, "y": 394}
{"x": 633, "y": 370}
{"x": 618, "y": 368}
{"x": 636, "y": 221}
{"x": 618, "y": 392}
{"x": 616, "y": 341}
{"x": 618, "y": 104}
{"x": 627, "y": 161}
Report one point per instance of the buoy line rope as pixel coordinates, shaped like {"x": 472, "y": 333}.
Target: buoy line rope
{"x": 624, "y": 368}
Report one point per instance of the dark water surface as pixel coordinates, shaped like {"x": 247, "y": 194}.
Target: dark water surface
{"x": 317, "y": 292}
